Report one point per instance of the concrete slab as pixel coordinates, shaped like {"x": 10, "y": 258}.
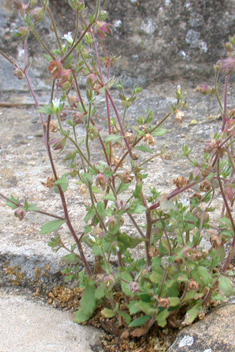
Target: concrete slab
{"x": 31, "y": 326}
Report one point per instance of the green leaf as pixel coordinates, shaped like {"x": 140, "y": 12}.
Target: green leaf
{"x": 123, "y": 187}
{"x": 113, "y": 138}
{"x": 100, "y": 208}
{"x": 144, "y": 148}
{"x": 192, "y": 314}
{"x": 125, "y": 316}
{"x": 145, "y": 297}
{"x": 87, "y": 304}
{"x": 51, "y": 226}
{"x": 156, "y": 277}
{"x": 55, "y": 242}
{"x": 159, "y": 132}
{"x": 109, "y": 197}
{"x": 125, "y": 285}
{"x": 133, "y": 308}
{"x": 71, "y": 258}
{"x": 30, "y": 207}
{"x": 63, "y": 182}
{"x": 227, "y": 222}
{"x": 138, "y": 209}
{"x": 108, "y": 313}
{"x": 97, "y": 250}
{"x": 161, "y": 318}
{"x": 46, "y": 110}
{"x": 137, "y": 191}
{"x": 204, "y": 275}
{"x": 174, "y": 301}
{"x": 146, "y": 307}
{"x": 125, "y": 241}
{"x": 48, "y": 57}
{"x": 12, "y": 205}
{"x": 226, "y": 286}
{"x": 86, "y": 178}
{"x": 166, "y": 204}
{"x": 89, "y": 215}
{"x": 100, "y": 292}
{"x": 140, "y": 321}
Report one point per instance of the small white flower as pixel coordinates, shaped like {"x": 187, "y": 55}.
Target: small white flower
{"x": 56, "y": 103}
{"x": 92, "y": 238}
{"x": 68, "y": 37}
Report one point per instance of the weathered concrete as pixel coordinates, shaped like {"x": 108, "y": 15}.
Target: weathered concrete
{"x": 28, "y": 326}
{"x": 213, "y": 334}
{"x": 157, "y": 40}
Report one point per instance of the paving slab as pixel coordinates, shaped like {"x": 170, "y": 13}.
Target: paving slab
{"x": 31, "y": 326}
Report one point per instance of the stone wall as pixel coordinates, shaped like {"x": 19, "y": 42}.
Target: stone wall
{"x": 158, "y": 40}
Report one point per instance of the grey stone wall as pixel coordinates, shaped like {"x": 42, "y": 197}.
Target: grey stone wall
{"x": 158, "y": 40}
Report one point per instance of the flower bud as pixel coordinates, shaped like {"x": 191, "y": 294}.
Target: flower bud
{"x": 78, "y": 118}
{"x": 37, "y": 14}
{"x": 227, "y": 65}
{"x": 229, "y": 191}
{"x": 103, "y": 29}
{"x": 121, "y": 204}
{"x": 211, "y": 145}
{"x": 20, "y": 213}
{"x": 134, "y": 287}
{"x": 101, "y": 181}
{"x": 18, "y": 73}
{"x": 204, "y": 89}
{"x": 108, "y": 280}
{"x": 73, "y": 100}
{"x": 93, "y": 132}
{"x": 112, "y": 223}
{"x": 58, "y": 144}
{"x": 22, "y": 32}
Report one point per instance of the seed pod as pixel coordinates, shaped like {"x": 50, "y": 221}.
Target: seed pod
{"x": 194, "y": 285}
{"x": 18, "y": 73}
{"x": 180, "y": 181}
{"x": 153, "y": 252}
{"x": 53, "y": 126}
{"x": 125, "y": 177}
{"x": 130, "y": 137}
{"x": 179, "y": 116}
{"x": 20, "y": 213}
{"x": 216, "y": 241}
{"x": 164, "y": 302}
{"x": 205, "y": 186}
{"x": 148, "y": 138}
{"x": 50, "y": 182}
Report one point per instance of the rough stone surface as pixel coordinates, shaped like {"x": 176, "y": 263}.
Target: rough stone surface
{"x": 213, "y": 334}
{"x": 157, "y": 40}
{"x": 29, "y": 326}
